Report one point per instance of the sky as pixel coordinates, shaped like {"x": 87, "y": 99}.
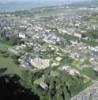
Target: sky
{"x": 13, "y": 4}
{"x": 40, "y": 0}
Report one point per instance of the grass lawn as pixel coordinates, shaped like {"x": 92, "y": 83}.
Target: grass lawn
{"x": 90, "y": 73}
{"x": 7, "y": 62}
{"x": 4, "y": 46}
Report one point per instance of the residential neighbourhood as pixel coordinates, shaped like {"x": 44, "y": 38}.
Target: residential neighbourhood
{"x": 57, "y": 53}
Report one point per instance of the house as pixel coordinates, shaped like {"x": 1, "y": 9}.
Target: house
{"x": 22, "y": 35}
{"x": 41, "y": 83}
{"x": 78, "y": 35}
{"x": 40, "y": 63}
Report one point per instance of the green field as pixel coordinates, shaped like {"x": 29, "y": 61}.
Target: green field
{"x": 89, "y": 71}
{"x": 7, "y": 62}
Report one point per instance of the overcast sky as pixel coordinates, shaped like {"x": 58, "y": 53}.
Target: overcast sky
{"x": 28, "y": 4}
{"x": 40, "y": 0}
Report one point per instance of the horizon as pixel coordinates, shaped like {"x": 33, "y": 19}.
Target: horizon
{"x": 50, "y": 2}
{"x": 42, "y": 0}
{"x": 29, "y": 4}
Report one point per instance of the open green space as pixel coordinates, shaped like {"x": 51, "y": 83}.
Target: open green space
{"x": 89, "y": 71}
{"x": 6, "y": 61}
{"x": 90, "y": 42}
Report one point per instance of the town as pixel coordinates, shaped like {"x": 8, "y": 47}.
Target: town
{"x": 59, "y": 51}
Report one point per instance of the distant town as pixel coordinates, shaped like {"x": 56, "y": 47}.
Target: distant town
{"x": 54, "y": 50}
